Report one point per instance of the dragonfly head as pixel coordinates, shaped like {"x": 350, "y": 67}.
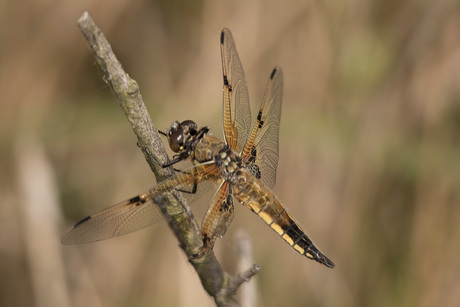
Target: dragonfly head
{"x": 179, "y": 132}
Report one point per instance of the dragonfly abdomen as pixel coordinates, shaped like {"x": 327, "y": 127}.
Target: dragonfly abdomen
{"x": 252, "y": 194}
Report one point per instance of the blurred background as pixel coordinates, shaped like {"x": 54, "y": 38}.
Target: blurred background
{"x": 369, "y": 148}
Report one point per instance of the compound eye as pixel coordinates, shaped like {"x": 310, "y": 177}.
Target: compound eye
{"x": 174, "y": 126}
{"x": 189, "y": 126}
{"x": 176, "y": 139}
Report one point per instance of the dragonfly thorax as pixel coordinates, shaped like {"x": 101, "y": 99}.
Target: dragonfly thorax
{"x": 207, "y": 148}
{"x": 229, "y": 161}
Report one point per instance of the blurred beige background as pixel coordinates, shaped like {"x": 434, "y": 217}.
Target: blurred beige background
{"x": 369, "y": 148}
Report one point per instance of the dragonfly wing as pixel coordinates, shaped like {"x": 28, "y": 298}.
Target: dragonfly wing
{"x": 236, "y": 109}
{"x": 250, "y": 192}
{"x": 191, "y": 183}
{"x": 125, "y": 217}
{"x": 261, "y": 150}
{"x": 219, "y": 215}
{"x": 140, "y": 211}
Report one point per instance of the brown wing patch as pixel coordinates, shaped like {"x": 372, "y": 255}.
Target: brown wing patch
{"x": 219, "y": 215}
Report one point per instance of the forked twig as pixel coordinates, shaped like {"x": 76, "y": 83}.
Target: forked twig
{"x": 215, "y": 281}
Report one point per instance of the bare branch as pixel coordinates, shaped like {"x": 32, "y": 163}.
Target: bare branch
{"x": 127, "y": 92}
{"x": 179, "y": 216}
{"x": 245, "y": 276}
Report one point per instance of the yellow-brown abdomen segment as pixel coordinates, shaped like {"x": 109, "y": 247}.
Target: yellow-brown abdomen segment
{"x": 252, "y": 194}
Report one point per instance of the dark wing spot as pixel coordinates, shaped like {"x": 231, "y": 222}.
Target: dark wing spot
{"x": 82, "y": 221}
{"x": 259, "y": 116}
{"x": 222, "y": 36}
{"x": 135, "y": 199}
{"x": 261, "y": 123}
{"x": 273, "y": 72}
{"x": 253, "y": 156}
{"x": 226, "y": 80}
{"x": 257, "y": 172}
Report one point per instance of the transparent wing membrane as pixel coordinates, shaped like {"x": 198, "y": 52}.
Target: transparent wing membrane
{"x": 261, "y": 149}
{"x": 125, "y": 217}
{"x": 236, "y": 109}
{"x": 141, "y": 211}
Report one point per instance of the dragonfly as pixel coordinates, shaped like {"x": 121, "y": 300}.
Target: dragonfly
{"x": 242, "y": 166}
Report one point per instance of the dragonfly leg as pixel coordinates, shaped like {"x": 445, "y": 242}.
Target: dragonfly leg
{"x": 176, "y": 159}
{"x": 194, "y": 188}
{"x": 207, "y": 245}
